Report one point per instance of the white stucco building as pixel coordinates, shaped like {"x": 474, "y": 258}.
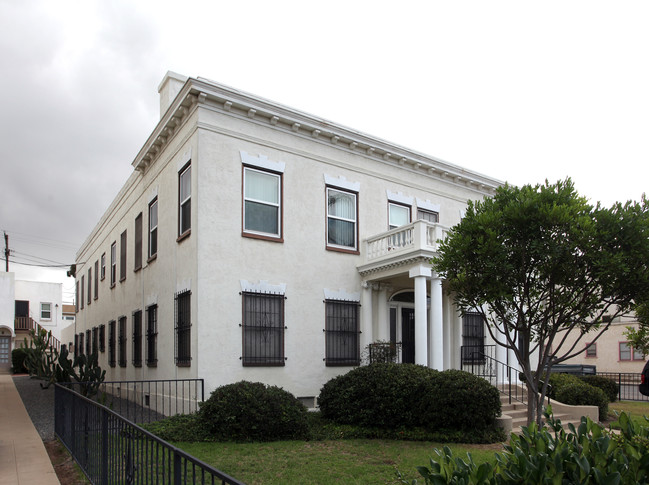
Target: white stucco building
{"x": 254, "y": 241}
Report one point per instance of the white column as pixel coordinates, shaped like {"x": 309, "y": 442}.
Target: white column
{"x": 513, "y": 362}
{"x": 382, "y": 314}
{"x": 501, "y": 357}
{"x": 449, "y": 317}
{"x": 366, "y": 316}
{"x": 436, "y": 323}
{"x": 420, "y": 274}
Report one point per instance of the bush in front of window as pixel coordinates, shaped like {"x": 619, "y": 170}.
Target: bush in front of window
{"x": 609, "y": 386}
{"x": 251, "y": 411}
{"x": 392, "y": 396}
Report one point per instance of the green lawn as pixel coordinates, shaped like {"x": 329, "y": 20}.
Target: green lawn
{"x": 325, "y": 462}
{"x": 637, "y": 410}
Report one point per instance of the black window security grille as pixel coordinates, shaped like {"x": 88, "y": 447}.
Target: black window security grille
{"x": 88, "y": 342}
{"x": 263, "y": 329}
{"x": 81, "y": 348}
{"x": 95, "y": 340}
{"x": 76, "y": 345}
{"x": 111, "y": 343}
{"x": 473, "y": 335}
{"x": 183, "y": 328}
{"x": 342, "y": 332}
{"x": 151, "y": 336}
{"x": 137, "y": 338}
{"x": 121, "y": 341}
{"x": 102, "y": 338}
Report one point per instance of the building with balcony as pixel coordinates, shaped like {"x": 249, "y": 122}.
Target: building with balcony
{"x": 254, "y": 241}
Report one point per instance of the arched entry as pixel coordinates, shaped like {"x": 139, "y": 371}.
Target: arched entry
{"x": 6, "y": 335}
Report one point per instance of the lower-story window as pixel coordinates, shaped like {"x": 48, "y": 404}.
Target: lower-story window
{"x": 102, "y": 338}
{"x": 95, "y": 340}
{"x": 111, "y": 343}
{"x": 183, "y": 328}
{"x": 342, "y": 333}
{"x": 473, "y": 336}
{"x": 122, "y": 341}
{"x": 137, "y": 338}
{"x": 151, "y": 336}
{"x": 263, "y": 329}
{"x": 88, "y": 342}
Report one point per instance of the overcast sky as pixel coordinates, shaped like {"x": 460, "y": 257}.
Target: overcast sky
{"x": 520, "y": 91}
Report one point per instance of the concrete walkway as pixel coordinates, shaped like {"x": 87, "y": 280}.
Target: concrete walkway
{"x": 23, "y": 458}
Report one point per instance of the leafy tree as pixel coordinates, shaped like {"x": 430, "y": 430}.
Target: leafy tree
{"x": 538, "y": 262}
{"x": 639, "y": 337}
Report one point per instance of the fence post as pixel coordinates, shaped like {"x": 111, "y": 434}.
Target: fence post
{"x": 177, "y": 468}
{"x": 104, "y": 447}
{"x": 619, "y": 383}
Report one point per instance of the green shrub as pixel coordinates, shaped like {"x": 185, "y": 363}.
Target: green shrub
{"x": 394, "y": 396}
{"x": 558, "y": 381}
{"x": 587, "y": 454}
{"x": 580, "y": 393}
{"x": 181, "y": 427}
{"x": 18, "y": 357}
{"x": 252, "y": 411}
{"x": 609, "y": 386}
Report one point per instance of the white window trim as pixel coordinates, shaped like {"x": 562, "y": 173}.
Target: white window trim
{"x": 343, "y": 183}
{"x": 181, "y": 202}
{"x": 427, "y": 205}
{"x": 262, "y": 287}
{"x": 262, "y": 162}
{"x": 153, "y": 202}
{"x": 397, "y": 204}
{"x": 50, "y": 311}
{"x": 399, "y": 198}
{"x": 342, "y": 295}
{"x": 355, "y": 221}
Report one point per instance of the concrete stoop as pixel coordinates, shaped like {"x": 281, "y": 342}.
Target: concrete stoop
{"x": 514, "y": 415}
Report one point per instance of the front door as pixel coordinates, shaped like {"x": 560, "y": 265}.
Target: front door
{"x": 5, "y": 346}
{"x": 408, "y": 335}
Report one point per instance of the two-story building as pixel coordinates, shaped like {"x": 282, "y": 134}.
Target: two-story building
{"x": 254, "y": 241}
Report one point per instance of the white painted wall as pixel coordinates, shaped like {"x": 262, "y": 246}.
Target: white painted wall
{"x": 37, "y": 292}
{"x": 7, "y": 292}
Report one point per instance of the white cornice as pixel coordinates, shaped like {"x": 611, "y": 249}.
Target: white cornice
{"x": 232, "y": 102}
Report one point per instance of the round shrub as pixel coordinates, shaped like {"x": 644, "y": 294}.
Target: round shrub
{"x": 609, "y": 386}
{"x": 580, "y": 393}
{"x": 252, "y": 411}
{"x": 558, "y": 381}
{"x": 407, "y": 395}
{"x": 18, "y": 356}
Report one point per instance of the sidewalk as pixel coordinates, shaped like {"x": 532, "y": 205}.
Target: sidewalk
{"x": 23, "y": 458}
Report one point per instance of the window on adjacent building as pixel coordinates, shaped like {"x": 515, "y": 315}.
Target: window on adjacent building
{"x": 137, "y": 338}
{"x": 429, "y": 216}
{"x": 137, "y": 256}
{"x": 473, "y": 336}
{"x": 113, "y": 264}
{"x": 95, "y": 340}
{"x": 262, "y": 203}
{"x": 46, "y": 311}
{"x": 153, "y": 228}
{"x": 185, "y": 200}
{"x": 591, "y": 349}
{"x": 399, "y": 215}
{"x": 82, "y": 286}
{"x": 263, "y": 329}
{"x": 88, "y": 342}
{"x": 151, "y": 335}
{"x": 122, "y": 256}
{"x": 89, "y": 285}
{"x": 627, "y": 352}
{"x": 102, "y": 338}
{"x": 342, "y": 333}
{"x": 96, "y": 279}
{"x": 103, "y": 266}
{"x": 183, "y": 328}
{"x": 121, "y": 341}
{"x": 342, "y": 225}
{"x": 81, "y": 347}
{"x": 111, "y": 343}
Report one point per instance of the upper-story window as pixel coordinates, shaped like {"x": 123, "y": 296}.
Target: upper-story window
{"x": 426, "y": 215}
{"x": 46, "y": 311}
{"x": 113, "y": 264}
{"x": 342, "y": 227}
{"x": 89, "y": 285}
{"x": 137, "y": 256}
{"x": 153, "y": 228}
{"x": 122, "y": 257}
{"x": 262, "y": 203}
{"x": 82, "y": 286}
{"x": 103, "y": 266}
{"x": 96, "y": 279}
{"x": 399, "y": 215}
{"x": 591, "y": 349}
{"x": 185, "y": 200}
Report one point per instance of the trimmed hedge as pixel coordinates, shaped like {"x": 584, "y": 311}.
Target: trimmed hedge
{"x": 580, "y": 393}
{"x": 609, "y": 386}
{"x": 391, "y": 396}
{"x": 252, "y": 411}
{"x": 18, "y": 357}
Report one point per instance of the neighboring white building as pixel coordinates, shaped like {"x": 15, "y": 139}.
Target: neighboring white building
{"x": 253, "y": 241}
{"x": 25, "y": 306}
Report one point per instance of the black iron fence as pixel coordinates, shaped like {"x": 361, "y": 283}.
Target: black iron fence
{"x": 147, "y": 401}
{"x": 628, "y": 383}
{"x": 113, "y": 450}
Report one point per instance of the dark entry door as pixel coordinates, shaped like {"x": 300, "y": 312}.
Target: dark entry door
{"x": 408, "y": 335}
{"x": 22, "y": 308}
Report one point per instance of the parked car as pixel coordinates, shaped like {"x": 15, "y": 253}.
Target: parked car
{"x": 644, "y": 380}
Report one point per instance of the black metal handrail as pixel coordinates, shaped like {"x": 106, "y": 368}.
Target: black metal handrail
{"x": 111, "y": 449}
{"x": 477, "y": 362}
{"x": 149, "y": 400}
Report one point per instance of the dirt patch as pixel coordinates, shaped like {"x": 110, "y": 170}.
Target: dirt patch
{"x": 65, "y": 467}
